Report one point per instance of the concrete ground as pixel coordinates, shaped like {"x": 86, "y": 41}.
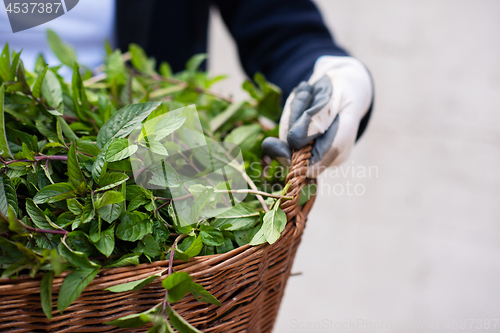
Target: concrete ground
{"x": 415, "y": 243}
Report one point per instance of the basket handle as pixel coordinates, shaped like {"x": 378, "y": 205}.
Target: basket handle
{"x": 297, "y": 178}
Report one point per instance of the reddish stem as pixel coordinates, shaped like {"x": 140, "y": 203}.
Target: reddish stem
{"x": 39, "y": 158}
{"x": 175, "y": 199}
{"x": 44, "y": 231}
{"x": 162, "y": 205}
{"x": 170, "y": 266}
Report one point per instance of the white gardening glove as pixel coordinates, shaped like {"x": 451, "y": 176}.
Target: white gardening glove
{"x": 328, "y": 108}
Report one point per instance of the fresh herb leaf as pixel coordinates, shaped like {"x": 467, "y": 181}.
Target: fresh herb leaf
{"x": 120, "y": 149}
{"x": 4, "y": 146}
{"x": 63, "y": 52}
{"x": 134, "y": 226}
{"x": 134, "y": 285}
{"x": 54, "y": 193}
{"x": 124, "y": 121}
{"x": 306, "y": 193}
{"x": 202, "y": 295}
{"x": 75, "y": 174}
{"x": 177, "y": 284}
{"x": 51, "y": 90}
{"x": 73, "y": 286}
{"x": 135, "y": 320}
{"x": 46, "y": 293}
{"x": 106, "y": 243}
{"x": 76, "y": 258}
{"x": 211, "y": 236}
{"x": 148, "y": 246}
{"x": 180, "y": 324}
{"x": 274, "y": 223}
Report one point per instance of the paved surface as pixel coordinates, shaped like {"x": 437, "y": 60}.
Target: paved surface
{"x": 421, "y": 246}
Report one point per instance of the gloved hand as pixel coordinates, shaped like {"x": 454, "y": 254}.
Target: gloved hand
{"x": 328, "y": 108}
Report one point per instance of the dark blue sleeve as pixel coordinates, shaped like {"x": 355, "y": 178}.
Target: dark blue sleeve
{"x": 280, "y": 38}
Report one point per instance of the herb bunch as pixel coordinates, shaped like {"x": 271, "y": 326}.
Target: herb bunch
{"x": 68, "y": 197}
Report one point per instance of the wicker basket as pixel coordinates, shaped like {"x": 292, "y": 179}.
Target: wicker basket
{"x": 249, "y": 282}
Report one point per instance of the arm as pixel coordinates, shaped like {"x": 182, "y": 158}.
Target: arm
{"x": 280, "y": 38}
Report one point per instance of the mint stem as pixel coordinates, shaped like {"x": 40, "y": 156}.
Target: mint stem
{"x": 44, "y": 231}
{"x": 39, "y": 158}
{"x": 170, "y": 266}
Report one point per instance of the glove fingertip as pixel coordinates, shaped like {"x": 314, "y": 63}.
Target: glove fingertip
{"x": 275, "y": 148}
{"x": 304, "y": 86}
{"x": 298, "y": 136}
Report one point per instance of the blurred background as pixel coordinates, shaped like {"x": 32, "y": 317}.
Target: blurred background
{"x": 418, "y": 246}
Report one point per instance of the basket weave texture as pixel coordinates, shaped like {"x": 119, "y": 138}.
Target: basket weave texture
{"x": 248, "y": 281}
